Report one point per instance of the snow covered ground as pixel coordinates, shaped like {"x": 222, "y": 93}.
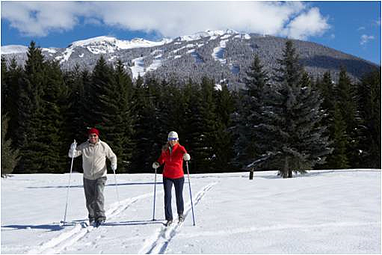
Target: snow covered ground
{"x": 320, "y": 212}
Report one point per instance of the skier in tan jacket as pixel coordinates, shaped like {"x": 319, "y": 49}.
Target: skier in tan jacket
{"x": 94, "y": 153}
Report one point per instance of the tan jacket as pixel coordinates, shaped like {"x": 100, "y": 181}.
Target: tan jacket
{"x": 94, "y": 158}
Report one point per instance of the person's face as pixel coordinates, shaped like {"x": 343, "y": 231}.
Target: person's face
{"x": 172, "y": 142}
{"x": 93, "y": 138}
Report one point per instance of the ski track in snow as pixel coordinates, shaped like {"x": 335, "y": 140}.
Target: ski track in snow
{"x": 70, "y": 237}
{"x": 278, "y": 227}
{"x": 159, "y": 242}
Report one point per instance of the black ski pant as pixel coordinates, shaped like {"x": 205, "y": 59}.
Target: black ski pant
{"x": 167, "y": 184}
{"x": 94, "y": 198}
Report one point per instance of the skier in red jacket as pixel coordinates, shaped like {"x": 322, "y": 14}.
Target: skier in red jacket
{"x": 172, "y": 157}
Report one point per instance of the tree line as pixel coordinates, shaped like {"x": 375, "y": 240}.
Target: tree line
{"x": 283, "y": 120}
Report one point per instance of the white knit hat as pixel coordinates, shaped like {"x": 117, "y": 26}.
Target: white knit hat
{"x": 173, "y": 136}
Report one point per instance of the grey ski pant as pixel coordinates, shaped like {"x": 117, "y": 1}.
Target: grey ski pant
{"x": 94, "y": 198}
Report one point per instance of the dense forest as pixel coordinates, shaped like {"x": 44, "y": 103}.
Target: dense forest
{"x": 284, "y": 120}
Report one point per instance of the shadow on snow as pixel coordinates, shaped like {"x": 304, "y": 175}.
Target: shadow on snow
{"x": 81, "y": 186}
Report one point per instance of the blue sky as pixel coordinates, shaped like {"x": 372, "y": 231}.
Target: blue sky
{"x": 353, "y": 27}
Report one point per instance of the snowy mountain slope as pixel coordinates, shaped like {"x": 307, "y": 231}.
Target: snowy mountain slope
{"x": 216, "y": 54}
{"x": 320, "y": 212}
{"x": 14, "y": 49}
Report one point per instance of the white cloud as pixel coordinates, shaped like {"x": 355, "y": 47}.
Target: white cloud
{"x": 366, "y": 38}
{"x": 169, "y": 19}
{"x": 179, "y": 18}
{"x": 40, "y": 18}
{"x": 309, "y": 23}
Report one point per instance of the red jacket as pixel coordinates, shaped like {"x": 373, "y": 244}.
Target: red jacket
{"x": 173, "y": 162}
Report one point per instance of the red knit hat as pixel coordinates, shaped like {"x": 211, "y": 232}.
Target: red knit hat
{"x": 93, "y": 131}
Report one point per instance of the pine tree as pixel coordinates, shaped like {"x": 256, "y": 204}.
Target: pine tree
{"x": 53, "y": 138}
{"x": 30, "y": 112}
{"x": 97, "y": 93}
{"x": 313, "y": 135}
{"x": 166, "y": 104}
{"x": 85, "y": 106}
{"x": 347, "y": 104}
{"x": 11, "y": 77}
{"x": 108, "y": 107}
{"x": 76, "y": 103}
{"x": 326, "y": 88}
{"x": 75, "y": 115}
{"x": 223, "y": 140}
{"x": 292, "y": 138}
{"x": 4, "y": 86}
{"x": 79, "y": 113}
{"x": 369, "y": 91}
{"x": 9, "y": 157}
{"x": 249, "y": 114}
{"x": 206, "y": 133}
{"x": 148, "y": 145}
{"x": 118, "y": 124}
{"x": 338, "y": 159}
{"x": 193, "y": 124}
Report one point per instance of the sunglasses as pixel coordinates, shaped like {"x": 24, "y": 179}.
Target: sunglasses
{"x": 173, "y": 139}
{"x": 92, "y": 135}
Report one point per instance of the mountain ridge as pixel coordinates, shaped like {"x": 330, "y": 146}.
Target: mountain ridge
{"x": 223, "y": 55}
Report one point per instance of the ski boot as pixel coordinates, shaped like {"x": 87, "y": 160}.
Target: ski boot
{"x": 168, "y": 223}
{"x": 99, "y": 223}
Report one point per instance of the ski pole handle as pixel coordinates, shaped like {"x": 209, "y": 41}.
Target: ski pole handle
{"x": 73, "y": 147}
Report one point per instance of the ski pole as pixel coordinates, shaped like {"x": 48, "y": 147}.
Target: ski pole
{"x": 67, "y": 192}
{"x": 189, "y": 185}
{"x": 155, "y": 191}
{"x": 116, "y": 185}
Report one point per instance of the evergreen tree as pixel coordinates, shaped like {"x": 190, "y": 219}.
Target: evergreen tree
{"x": 166, "y": 104}
{"x": 76, "y": 116}
{"x": 326, "y": 88}
{"x": 53, "y": 139}
{"x": 193, "y": 127}
{"x": 204, "y": 136}
{"x": 107, "y": 106}
{"x": 30, "y": 112}
{"x": 79, "y": 113}
{"x": 223, "y": 140}
{"x": 76, "y": 103}
{"x": 148, "y": 145}
{"x": 97, "y": 93}
{"x": 11, "y": 77}
{"x": 338, "y": 159}
{"x": 4, "y": 86}
{"x": 313, "y": 135}
{"x": 347, "y": 104}
{"x": 87, "y": 97}
{"x": 369, "y": 91}
{"x": 9, "y": 157}
{"x": 249, "y": 114}
{"x": 118, "y": 124}
{"x": 292, "y": 138}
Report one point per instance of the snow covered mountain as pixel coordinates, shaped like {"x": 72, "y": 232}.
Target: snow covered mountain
{"x": 222, "y": 55}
